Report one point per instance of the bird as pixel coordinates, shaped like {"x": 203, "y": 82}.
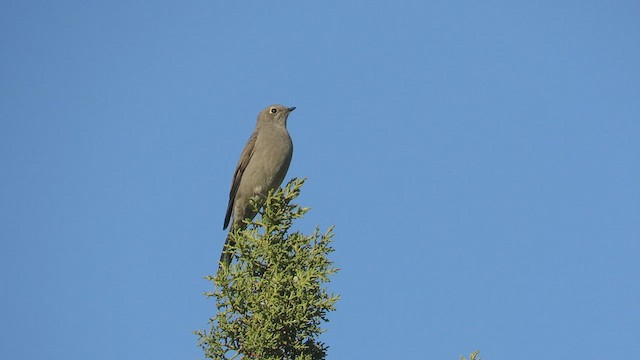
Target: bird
{"x": 262, "y": 166}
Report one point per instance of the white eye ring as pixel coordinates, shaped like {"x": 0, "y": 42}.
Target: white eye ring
{"x": 274, "y": 110}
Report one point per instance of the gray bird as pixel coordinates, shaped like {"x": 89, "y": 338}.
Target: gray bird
{"x": 262, "y": 166}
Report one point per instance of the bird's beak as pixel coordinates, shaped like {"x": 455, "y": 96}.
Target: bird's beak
{"x": 291, "y": 108}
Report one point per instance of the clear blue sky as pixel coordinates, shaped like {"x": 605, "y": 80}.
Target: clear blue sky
{"x": 480, "y": 160}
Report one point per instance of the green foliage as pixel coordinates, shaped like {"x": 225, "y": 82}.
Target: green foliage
{"x": 271, "y": 301}
{"x": 474, "y": 356}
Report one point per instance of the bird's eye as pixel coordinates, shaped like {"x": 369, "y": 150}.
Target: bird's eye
{"x": 274, "y": 110}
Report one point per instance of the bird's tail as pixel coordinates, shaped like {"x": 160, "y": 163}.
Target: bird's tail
{"x": 225, "y": 257}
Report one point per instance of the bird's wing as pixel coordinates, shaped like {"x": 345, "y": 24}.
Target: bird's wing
{"x": 245, "y": 157}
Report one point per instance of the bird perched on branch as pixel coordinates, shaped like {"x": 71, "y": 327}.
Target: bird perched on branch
{"x": 262, "y": 166}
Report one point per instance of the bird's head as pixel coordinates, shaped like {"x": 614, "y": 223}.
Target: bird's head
{"x": 277, "y": 114}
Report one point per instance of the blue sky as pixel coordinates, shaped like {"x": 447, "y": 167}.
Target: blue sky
{"x": 480, "y": 161}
